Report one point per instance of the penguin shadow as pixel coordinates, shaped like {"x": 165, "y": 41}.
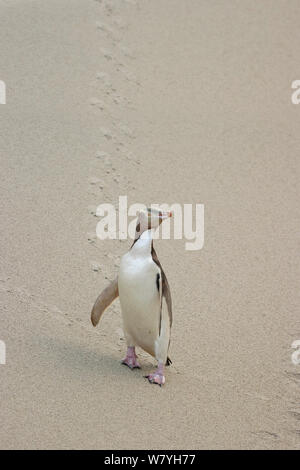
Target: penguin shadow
{"x": 296, "y": 419}
{"x": 294, "y": 377}
{"x": 83, "y": 360}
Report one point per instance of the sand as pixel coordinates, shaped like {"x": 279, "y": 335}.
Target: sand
{"x": 162, "y": 101}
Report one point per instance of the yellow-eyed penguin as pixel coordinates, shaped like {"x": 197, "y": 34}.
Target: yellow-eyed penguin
{"x": 142, "y": 286}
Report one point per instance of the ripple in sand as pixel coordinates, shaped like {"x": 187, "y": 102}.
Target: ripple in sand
{"x": 107, "y": 54}
{"x": 119, "y": 22}
{"x": 97, "y": 103}
{"x": 101, "y": 155}
{"x": 92, "y": 210}
{"x": 126, "y": 131}
{"x": 103, "y": 76}
{"x": 104, "y": 157}
{"x": 102, "y": 26}
{"x": 94, "y": 180}
{"x": 95, "y": 266}
{"x": 126, "y": 51}
{"x": 91, "y": 236}
{"x": 106, "y": 132}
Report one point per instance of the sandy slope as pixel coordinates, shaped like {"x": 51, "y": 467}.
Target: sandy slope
{"x": 191, "y": 102}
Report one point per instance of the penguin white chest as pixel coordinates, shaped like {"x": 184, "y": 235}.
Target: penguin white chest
{"x": 140, "y": 298}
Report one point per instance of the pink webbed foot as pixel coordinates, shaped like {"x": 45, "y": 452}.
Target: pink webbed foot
{"x": 131, "y": 359}
{"x": 157, "y": 377}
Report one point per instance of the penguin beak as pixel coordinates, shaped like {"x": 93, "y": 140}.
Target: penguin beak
{"x": 165, "y": 215}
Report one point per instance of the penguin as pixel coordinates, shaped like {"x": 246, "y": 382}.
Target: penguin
{"x": 145, "y": 298}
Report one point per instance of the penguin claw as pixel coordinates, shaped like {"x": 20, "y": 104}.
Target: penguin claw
{"x": 131, "y": 359}
{"x": 155, "y": 378}
{"x": 131, "y": 364}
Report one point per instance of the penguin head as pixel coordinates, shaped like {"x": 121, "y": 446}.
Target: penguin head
{"x": 150, "y": 219}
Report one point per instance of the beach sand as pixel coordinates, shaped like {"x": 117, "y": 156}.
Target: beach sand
{"x": 162, "y": 101}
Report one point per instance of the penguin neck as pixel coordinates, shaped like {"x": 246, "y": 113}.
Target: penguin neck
{"x": 143, "y": 245}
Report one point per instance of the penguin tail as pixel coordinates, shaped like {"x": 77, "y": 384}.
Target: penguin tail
{"x": 168, "y": 361}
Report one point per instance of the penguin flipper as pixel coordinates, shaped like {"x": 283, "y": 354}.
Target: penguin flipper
{"x": 166, "y": 293}
{"x": 107, "y": 296}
